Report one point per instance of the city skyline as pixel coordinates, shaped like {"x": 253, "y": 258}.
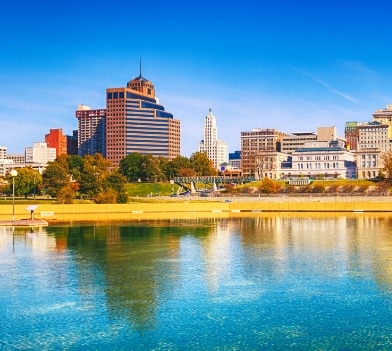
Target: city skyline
{"x": 289, "y": 66}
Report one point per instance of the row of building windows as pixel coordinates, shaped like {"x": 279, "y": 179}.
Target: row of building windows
{"x": 120, "y": 95}
{"x": 369, "y": 164}
{"x": 318, "y": 158}
{"x": 318, "y": 165}
{"x": 373, "y": 130}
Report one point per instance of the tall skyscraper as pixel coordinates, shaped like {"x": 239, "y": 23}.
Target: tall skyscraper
{"x": 56, "y": 139}
{"x": 91, "y": 131}
{"x": 136, "y": 122}
{"x": 216, "y": 150}
{"x": 72, "y": 143}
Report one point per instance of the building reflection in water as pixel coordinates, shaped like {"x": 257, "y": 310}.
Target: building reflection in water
{"x": 135, "y": 267}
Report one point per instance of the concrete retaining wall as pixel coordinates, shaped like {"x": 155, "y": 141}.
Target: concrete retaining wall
{"x": 188, "y": 208}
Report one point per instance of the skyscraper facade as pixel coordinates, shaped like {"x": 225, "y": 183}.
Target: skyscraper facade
{"x": 72, "y": 143}
{"x": 216, "y": 150}
{"x": 91, "y": 131}
{"x": 56, "y": 139}
{"x": 136, "y": 122}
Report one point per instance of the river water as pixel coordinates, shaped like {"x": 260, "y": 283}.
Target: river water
{"x": 262, "y": 282}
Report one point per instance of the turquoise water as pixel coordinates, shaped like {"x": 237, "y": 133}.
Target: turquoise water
{"x": 260, "y": 283}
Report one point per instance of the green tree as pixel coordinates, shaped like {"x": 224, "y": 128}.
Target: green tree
{"x": 97, "y": 162}
{"x": 95, "y": 169}
{"x": 107, "y": 197}
{"x": 54, "y": 178}
{"x": 75, "y": 166}
{"x": 151, "y": 169}
{"x": 65, "y": 195}
{"x": 62, "y": 161}
{"x": 177, "y": 166}
{"x": 202, "y": 165}
{"x": 186, "y": 172}
{"x": 114, "y": 183}
{"x": 131, "y": 166}
{"x": 89, "y": 182}
{"x": 27, "y": 182}
{"x": 163, "y": 165}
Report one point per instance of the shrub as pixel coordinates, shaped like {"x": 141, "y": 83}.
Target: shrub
{"x": 286, "y": 189}
{"x": 382, "y": 187}
{"x": 304, "y": 189}
{"x": 333, "y": 188}
{"x": 318, "y": 188}
{"x": 268, "y": 186}
{"x": 108, "y": 197}
{"x": 348, "y": 188}
{"x": 362, "y": 188}
{"x": 65, "y": 195}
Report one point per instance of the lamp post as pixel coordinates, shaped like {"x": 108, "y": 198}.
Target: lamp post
{"x": 13, "y": 173}
{"x": 35, "y": 174}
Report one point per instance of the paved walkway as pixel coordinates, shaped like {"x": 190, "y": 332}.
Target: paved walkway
{"x": 24, "y": 223}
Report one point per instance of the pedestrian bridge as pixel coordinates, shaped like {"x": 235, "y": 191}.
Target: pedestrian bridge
{"x": 213, "y": 179}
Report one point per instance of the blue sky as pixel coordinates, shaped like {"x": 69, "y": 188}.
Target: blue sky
{"x": 289, "y": 65}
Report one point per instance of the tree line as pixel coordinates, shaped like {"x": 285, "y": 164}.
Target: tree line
{"x": 94, "y": 177}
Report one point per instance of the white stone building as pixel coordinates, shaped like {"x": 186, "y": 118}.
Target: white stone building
{"x": 323, "y": 160}
{"x": 40, "y": 153}
{"x": 217, "y": 150}
{"x": 369, "y": 163}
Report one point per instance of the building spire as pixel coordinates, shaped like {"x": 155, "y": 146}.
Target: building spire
{"x": 140, "y": 74}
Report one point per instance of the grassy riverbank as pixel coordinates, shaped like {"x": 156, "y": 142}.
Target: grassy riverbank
{"x": 153, "y": 201}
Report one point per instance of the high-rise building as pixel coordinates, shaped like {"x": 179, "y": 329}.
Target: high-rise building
{"x": 374, "y": 134}
{"x": 91, "y": 131}
{"x": 369, "y": 135}
{"x": 40, "y": 153}
{"x": 294, "y": 141}
{"x": 370, "y": 140}
{"x": 3, "y": 152}
{"x": 351, "y": 133}
{"x": 383, "y": 116}
{"x": 258, "y": 141}
{"x": 217, "y": 150}
{"x": 6, "y": 164}
{"x": 72, "y": 143}
{"x": 56, "y": 139}
{"x": 136, "y": 122}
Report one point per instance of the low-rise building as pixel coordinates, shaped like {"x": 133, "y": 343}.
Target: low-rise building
{"x": 323, "y": 161}
{"x": 369, "y": 163}
{"x": 235, "y": 159}
{"x": 270, "y": 164}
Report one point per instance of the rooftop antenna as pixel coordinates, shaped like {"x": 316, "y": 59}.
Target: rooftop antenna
{"x": 140, "y": 74}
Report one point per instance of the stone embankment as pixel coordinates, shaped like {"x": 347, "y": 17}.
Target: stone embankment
{"x": 191, "y": 207}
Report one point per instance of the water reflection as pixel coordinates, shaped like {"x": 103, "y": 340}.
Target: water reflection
{"x": 147, "y": 276}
